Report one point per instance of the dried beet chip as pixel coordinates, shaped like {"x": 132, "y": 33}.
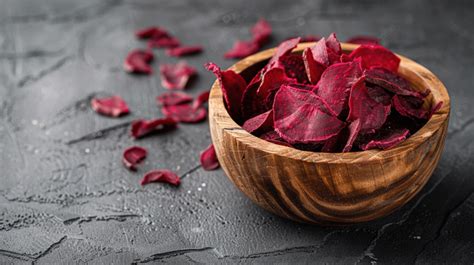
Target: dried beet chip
{"x": 309, "y": 87}
{"x": 310, "y": 38}
{"x": 364, "y": 40}
{"x": 435, "y": 108}
{"x": 232, "y": 85}
{"x": 392, "y": 82}
{"x": 161, "y": 175}
{"x": 132, "y": 156}
{"x": 410, "y": 107}
{"x": 313, "y": 69}
{"x": 376, "y": 56}
{"x": 164, "y": 42}
{"x": 354, "y": 129}
{"x": 386, "y": 139}
{"x": 113, "y": 106}
{"x": 379, "y": 94}
{"x": 138, "y": 61}
{"x": 345, "y": 58}
{"x": 141, "y": 128}
{"x": 183, "y": 51}
{"x": 208, "y": 158}
{"x": 176, "y": 76}
{"x": 151, "y": 32}
{"x": 320, "y": 53}
{"x": 201, "y": 99}
{"x": 260, "y": 123}
{"x": 251, "y": 104}
{"x": 372, "y": 114}
{"x": 242, "y": 49}
{"x": 333, "y": 44}
{"x": 289, "y": 98}
{"x": 294, "y": 67}
{"x": 185, "y": 113}
{"x": 261, "y": 32}
{"x": 336, "y": 82}
{"x": 173, "y": 98}
{"x": 271, "y": 82}
{"x": 283, "y": 49}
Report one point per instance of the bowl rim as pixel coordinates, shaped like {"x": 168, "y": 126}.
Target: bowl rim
{"x": 226, "y": 123}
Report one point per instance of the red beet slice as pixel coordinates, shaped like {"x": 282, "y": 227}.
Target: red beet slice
{"x": 141, "y": 128}
{"x": 313, "y": 69}
{"x": 410, "y": 107}
{"x": 392, "y": 82}
{"x": 336, "y": 82}
{"x": 251, "y": 104}
{"x": 113, "y": 106}
{"x": 379, "y": 94}
{"x": 201, "y": 99}
{"x": 138, "y": 61}
{"x": 161, "y": 175}
{"x": 283, "y": 49}
{"x": 261, "y": 32}
{"x": 242, "y": 49}
{"x": 260, "y": 123}
{"x": 294, "y": 67}
{"x": 173, "y": 98}
{"x": 363, "y": 40}
{"x": 386, "y": 140}
{"x": 232, "y": 85}
{"x": 376, "y": 56}
{"x": 151, "y": 32}
{"x": 354, "y": 129}
{"x": 333, "y": 44}
{"x": 132, "y": 156}
{"x": 163, "y": 42}
{"x": 289, "y": 98}
{"x": 271, "y": 82}
{"x": 372, "y": 114}
{"x": 320, "y": 53}
{"x": 176, "y": 76}
{"x": 185, "y": 113}
{"x": 183, "y": 51}
{"x": 208, "y": 158}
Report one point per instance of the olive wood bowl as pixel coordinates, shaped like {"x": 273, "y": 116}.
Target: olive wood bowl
{"x": 329, "y": 188}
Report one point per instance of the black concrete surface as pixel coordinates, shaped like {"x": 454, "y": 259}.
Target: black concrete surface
{"x": 65, "y": 198}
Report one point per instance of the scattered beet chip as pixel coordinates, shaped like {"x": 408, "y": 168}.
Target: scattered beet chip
{"x": 141, "y": 128}
{"x": 166, "y": 42}
{"x": 173, "y": 98}
{"x": 410, "y": 107}
{"x": 183, "y": 51}
{"x": 313, "y": 69}
{"x": 151, "y": 32}
{"x": 386, "y": 139}
{"x": 161, "y": 175}
{"x": 271, "y": 82}
{"x": 372, "y": 115}
{"x": 294, "y": 67}
{"x": 138, "y": 61}
{"x": 376, "y": 56}
{"x": 242, "y": 49}
{"x": 132, "y": 156}
{"x": 364, "y": 40}
{"x": 261, "y": 32}
{"x": 176, "y": 76}
{"x": 185, "y": 113}
{"x": 392, "y": 82}
{"x": 208, "y": 158}
{"x": 113, "y": 106}
{"x": 260, "y": 123}
{"x": 232, "y": 85}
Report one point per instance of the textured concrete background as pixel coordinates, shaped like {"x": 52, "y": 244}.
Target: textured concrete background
{"x": 66, "y": 198}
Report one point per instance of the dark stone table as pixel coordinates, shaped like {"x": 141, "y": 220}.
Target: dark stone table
{"x": 66, "y": 198}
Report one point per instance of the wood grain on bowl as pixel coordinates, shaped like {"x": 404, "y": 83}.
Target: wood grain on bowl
{"x": 330, "y": 188}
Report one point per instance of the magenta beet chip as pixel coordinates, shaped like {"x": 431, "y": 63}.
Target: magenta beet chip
{"x": 208, "y": 158}
{"x": 132, "y": 156}
{"x": 410, "y": 107}
{"x": 176, "y": 76}
{"x": 379, "y": 94}
{"x": 392, "y": 82}
{"x": 354, "y": 129}
{"x": 141, "y": 128}
{"x": 271, "y": 82}
{"x": 113, "y": 106}
{"x": 376, "y": 56}
{"x": 164, "y": 42}
{"x": 173, "y": 98}
{"x": 138, "y": 61}
{"x": 151, "y": 32}
{"x": 183, "y": 51}
{"x": 201, "y": 99}
{"x": 386, "y": 140}
{"x": 363, "y": 40}
{"x": 294, "y": 67}
{"x": 161, "y": 175}
{"x": 261, "y": 32}
{"x": 242, "y": 49}
{"x": 260, "y": 123}
{"x": 283, "y": 49}
{"x": 186, "y": 113}
{"x": 313, "y": 69}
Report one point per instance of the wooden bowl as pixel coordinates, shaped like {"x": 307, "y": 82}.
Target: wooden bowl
{"x": 329, "y": 188}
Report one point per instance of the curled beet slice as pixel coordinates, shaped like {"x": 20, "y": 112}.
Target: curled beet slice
{"x": 261, "y": 32}
{"x": 410, "y": 107}
{"x": 379, "y": 94}
{"x": 176, "y": 76}
{"x": 141, "y": 128}
{"x": 186, "y": 113}
{"x": 354, "y": 129}
{"x": 376, "y": 56}
{"x": 363, "y": 40}
{"x": 392, "y": 82}
{"x": 242, "y": 49}
{"x": 232, "y": 85}
{"x": 183, "y": 51}
{"x": 313, "y": 69}
{"x": 138, "y": 61}
{"x": 271, "y": 82}
{"x": 283, "y": 49}
{"x": 161, "y": 175}
{"x": 132, "y": 156}
{"x": 208, "y": 158}
{"x": 251, "y": 104}
{"x": 336, "y": 82}
{"x": 113, "y": 106}
{"x": 386, "y": 139}
{"x": 151, "y": 32}
{"x": 372, "y": 115}
{"x": 294, "y": 67}
{"x": 260, "y": 123}
{"x": 173, "y": 98}
{"x": 163, "y": 42}
{"x": 333, "y": 44}
{"x": 201, "y": 99}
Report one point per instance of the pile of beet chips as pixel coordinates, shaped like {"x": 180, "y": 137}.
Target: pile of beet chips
{"x": 324, "y": 100}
